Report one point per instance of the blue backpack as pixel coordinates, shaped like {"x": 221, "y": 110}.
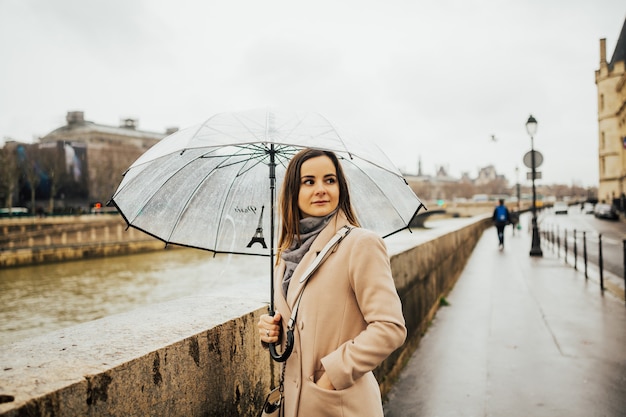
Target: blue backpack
{"x": 501, "y": 214}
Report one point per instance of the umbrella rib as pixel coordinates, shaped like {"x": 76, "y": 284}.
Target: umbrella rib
{"x": 253, "y": 143}
{"x": 284, "y": 150}
{"x": 334, "y": 129}
{"x": 262, "y": 139}
{"x": 184, "y": 208}
{"x": 259, "y": 156}
{"x": 347, "y": 151}
{"x": 221, "y": 214}
{"x": 380, "y": 189}
{"x": 288, "y": 135}
{"x": 152, "y": 196}
{"x": 300, "y": 121}
{"x": 191, "y": 196}
{"x": 231, "y": 135}
{"x": 228, "y": 192}
{"x": 206, "y": 125}
{"x": 250, "y": 156}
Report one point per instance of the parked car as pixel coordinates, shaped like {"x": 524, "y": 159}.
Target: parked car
{"x": 560, "y": 207}
{"x": 605, "y": 211}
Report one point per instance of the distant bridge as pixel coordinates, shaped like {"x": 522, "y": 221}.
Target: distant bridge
{"x": 418, "y": 221}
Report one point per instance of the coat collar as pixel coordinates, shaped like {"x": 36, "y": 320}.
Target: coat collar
{"x": 336, "y": 223}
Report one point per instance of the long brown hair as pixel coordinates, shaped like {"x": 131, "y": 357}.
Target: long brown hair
{"x": 288, "y": 202}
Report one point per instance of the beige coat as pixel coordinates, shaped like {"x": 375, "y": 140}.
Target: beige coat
{"x": 350, "y": 319}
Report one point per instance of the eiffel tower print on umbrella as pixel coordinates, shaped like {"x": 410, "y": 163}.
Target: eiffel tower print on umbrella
{"x": 258, "y": 236}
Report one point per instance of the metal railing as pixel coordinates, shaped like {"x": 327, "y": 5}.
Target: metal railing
{"x": 558, "y": 240}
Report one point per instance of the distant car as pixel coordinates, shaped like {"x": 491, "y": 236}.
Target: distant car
{"x": 587, "y": 208}
{"x": 605, "y": 211}
{"x": 13, "y": 211}
{"x": 560, "y": 207}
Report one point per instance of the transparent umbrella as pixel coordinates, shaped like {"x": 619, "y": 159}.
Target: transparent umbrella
{"x": 213, "y": 186}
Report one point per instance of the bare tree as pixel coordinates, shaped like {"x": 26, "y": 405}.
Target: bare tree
{"x": 458, "y": 189}
{"x": 107, "y": 173}
{"x": 9, "y": 174}
{"x": 106, "y": 169}
{"x": 52, "y": 164}
{"x": 495, "y": 187}
{"x": 31, "y": 172}
{"x": 422, "y": 188}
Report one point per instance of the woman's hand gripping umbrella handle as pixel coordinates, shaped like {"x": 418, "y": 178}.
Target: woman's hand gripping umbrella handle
{"x": 282, "y": 357}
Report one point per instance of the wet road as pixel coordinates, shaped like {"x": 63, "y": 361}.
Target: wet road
{"x": 521, "y": 337}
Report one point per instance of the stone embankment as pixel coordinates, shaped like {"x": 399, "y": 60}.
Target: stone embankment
{"x": 29, "y": 241}
{"x": 200, "y": 356}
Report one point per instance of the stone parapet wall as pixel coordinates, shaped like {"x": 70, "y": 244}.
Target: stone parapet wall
{"x": 200, "y": 356}
{"x": 36, "y": 241}
{"x": 62, "y": 253}
{"x": 197, "y": 356}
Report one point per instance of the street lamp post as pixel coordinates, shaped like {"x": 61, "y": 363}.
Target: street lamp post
{"x": 531, "y": 128}
{"x": 518, "y": 189}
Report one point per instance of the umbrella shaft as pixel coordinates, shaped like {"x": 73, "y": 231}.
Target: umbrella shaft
{"x": 272, "y": 167}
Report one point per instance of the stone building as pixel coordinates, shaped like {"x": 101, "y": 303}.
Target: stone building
{"x": 487, "y": 175}
{"x": 97, "y": 155}
{"x": 611, "y": 86}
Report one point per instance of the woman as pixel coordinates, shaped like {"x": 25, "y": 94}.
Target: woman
{"x": 350, "y": 317}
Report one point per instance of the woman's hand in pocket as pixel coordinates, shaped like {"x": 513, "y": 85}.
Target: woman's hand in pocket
{"x": 324, "y": 382}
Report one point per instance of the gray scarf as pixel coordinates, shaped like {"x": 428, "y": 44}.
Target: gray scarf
{"x": 310, "y": 227}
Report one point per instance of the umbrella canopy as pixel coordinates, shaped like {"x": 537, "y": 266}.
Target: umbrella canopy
{"x": 212, "y": 186}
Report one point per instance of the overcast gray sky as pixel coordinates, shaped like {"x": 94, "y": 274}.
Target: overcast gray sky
{"x": 431, "y": 80}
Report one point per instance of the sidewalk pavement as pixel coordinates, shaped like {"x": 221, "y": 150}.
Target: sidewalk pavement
{"x": 521, "y": 336}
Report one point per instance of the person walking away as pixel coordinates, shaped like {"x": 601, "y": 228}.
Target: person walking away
{"x": 501, "y": 218}
{"x": 350, "y": 316}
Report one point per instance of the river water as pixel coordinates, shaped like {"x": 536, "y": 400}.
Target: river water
{"x": 43, "y": 298}
{"x": 39, "y": 299}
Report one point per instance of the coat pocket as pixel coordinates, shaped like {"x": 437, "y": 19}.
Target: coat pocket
{"x": 361, "y": 399}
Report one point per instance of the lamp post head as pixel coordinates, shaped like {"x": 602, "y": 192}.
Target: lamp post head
{"x": 531, "y": 126}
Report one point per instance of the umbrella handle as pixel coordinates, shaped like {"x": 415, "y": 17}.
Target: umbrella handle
{"x": 278, "y": 357}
